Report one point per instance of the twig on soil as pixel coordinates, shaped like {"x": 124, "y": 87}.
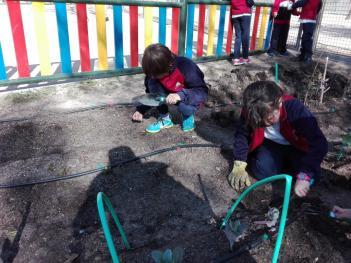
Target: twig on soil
{"x": 346, "y": 89}
{"x": 323, "y": 89}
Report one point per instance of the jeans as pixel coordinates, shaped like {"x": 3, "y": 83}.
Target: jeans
{"x": 242, "y": 35}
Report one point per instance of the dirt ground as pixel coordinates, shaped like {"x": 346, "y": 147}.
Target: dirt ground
{"x": 172, "y": 199}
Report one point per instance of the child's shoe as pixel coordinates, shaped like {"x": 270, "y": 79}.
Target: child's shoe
{"x": 270, "y": 54}
{"x": 237, "y": 61}
{"x": 307, "y": 61}
{"x": 247, "y": 61}
{"x": 161, "y": 123}
{"x": 188, "y": 123}
{"x": 285, "y": 54}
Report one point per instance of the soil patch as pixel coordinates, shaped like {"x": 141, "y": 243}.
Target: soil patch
{"x": 173, "y": 199}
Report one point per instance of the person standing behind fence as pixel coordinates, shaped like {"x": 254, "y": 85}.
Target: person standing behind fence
{"x": 281, "y": 24}
{"x": 241, "y": 18}
{"x": 308, "y": 17}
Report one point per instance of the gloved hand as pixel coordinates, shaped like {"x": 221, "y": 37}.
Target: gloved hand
{"x": 238, "y": 178}
{"x": 302, "y": 187}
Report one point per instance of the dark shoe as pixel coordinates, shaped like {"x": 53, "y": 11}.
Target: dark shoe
{"x": 307, "y": 61}
{"x": 272, "y": 54}
{"x": 298, "y": 58}
{"x": 301, "y": 57}
{"x": 285, "y": 54}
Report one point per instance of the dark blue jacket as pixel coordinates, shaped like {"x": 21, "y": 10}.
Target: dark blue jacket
{"x": 297, "y": 125}
{"x": 194, "y": 89}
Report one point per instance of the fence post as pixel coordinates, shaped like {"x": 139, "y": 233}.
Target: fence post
{"x": 318, "y": 26}
{"x": 182, "y": 27}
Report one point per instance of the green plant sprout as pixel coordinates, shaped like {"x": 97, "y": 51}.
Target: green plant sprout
{"x": 168, "y": 256}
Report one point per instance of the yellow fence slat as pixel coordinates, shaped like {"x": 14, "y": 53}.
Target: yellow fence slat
{"x": 148, "y": 15}
{"x": 42, "y": 38}
{"x": 211, "y": 29}
{"x": 101, "y": 36}
{"x": 265, "y": 15}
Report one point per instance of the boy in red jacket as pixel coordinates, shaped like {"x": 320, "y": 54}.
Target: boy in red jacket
{"x": 281, "y": 24}
{"x": 308, "y": 18}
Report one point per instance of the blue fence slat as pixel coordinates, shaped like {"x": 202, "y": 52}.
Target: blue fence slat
{"x": 61, "y": 17}
{"x": 162, "y": 25}
{"x": 118, "y": 34}
{"x": 190, "y": 30}
{"x": 2, "y": 66}
{"x": 268, "y": 36}
{"x": 221, "y": 30}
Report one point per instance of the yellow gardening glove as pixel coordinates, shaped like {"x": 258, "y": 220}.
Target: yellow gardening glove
{"x": 238, "y": 178}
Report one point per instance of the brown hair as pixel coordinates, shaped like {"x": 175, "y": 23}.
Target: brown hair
{"x": 157, "y": 60}
{"x": 259, "y": 99}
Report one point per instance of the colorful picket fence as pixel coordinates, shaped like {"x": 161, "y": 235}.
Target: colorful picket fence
{"x": 187, "y": 18}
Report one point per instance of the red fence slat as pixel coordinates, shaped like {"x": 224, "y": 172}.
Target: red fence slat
{"x": 133, "y": 16}
{"x": 201, "y": 30}
{"x": 255, "y": 27}
{"x": 19, "y": 40}
{"x": 228, "y": 46}
{"x": 175, "y": 30}
{"x": 83, "y": 37}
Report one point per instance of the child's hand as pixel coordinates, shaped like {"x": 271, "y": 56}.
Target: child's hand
{"x": 172, "y": 98}
{"x": 137, "y": 116}
{"x": 342, "y": 213}
{"x": 302, "y": 187}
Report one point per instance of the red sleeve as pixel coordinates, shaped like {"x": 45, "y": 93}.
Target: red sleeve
{"x": 276, "y": 6}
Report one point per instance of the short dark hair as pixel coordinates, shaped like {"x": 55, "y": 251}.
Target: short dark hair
{"x": 157, "y": 60}
{"x": 259, "y": 99}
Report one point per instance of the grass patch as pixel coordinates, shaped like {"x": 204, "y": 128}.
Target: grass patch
{"x": 26, "y": 96}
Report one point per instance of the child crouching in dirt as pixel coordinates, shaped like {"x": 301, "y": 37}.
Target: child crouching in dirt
{"x": 177, "y": 78}
{"x": 276, "y": 134}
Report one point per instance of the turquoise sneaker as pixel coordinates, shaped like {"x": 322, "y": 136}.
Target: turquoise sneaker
{"x": 188, "y": 123}
{"x": 161, "y": 123}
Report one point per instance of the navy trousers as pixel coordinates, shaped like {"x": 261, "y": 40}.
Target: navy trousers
{"x": 307, "y": 39}
{"x": 272, "y": 158}
{"x": 279, "y": 37}
{"x": 242, "y": 35}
